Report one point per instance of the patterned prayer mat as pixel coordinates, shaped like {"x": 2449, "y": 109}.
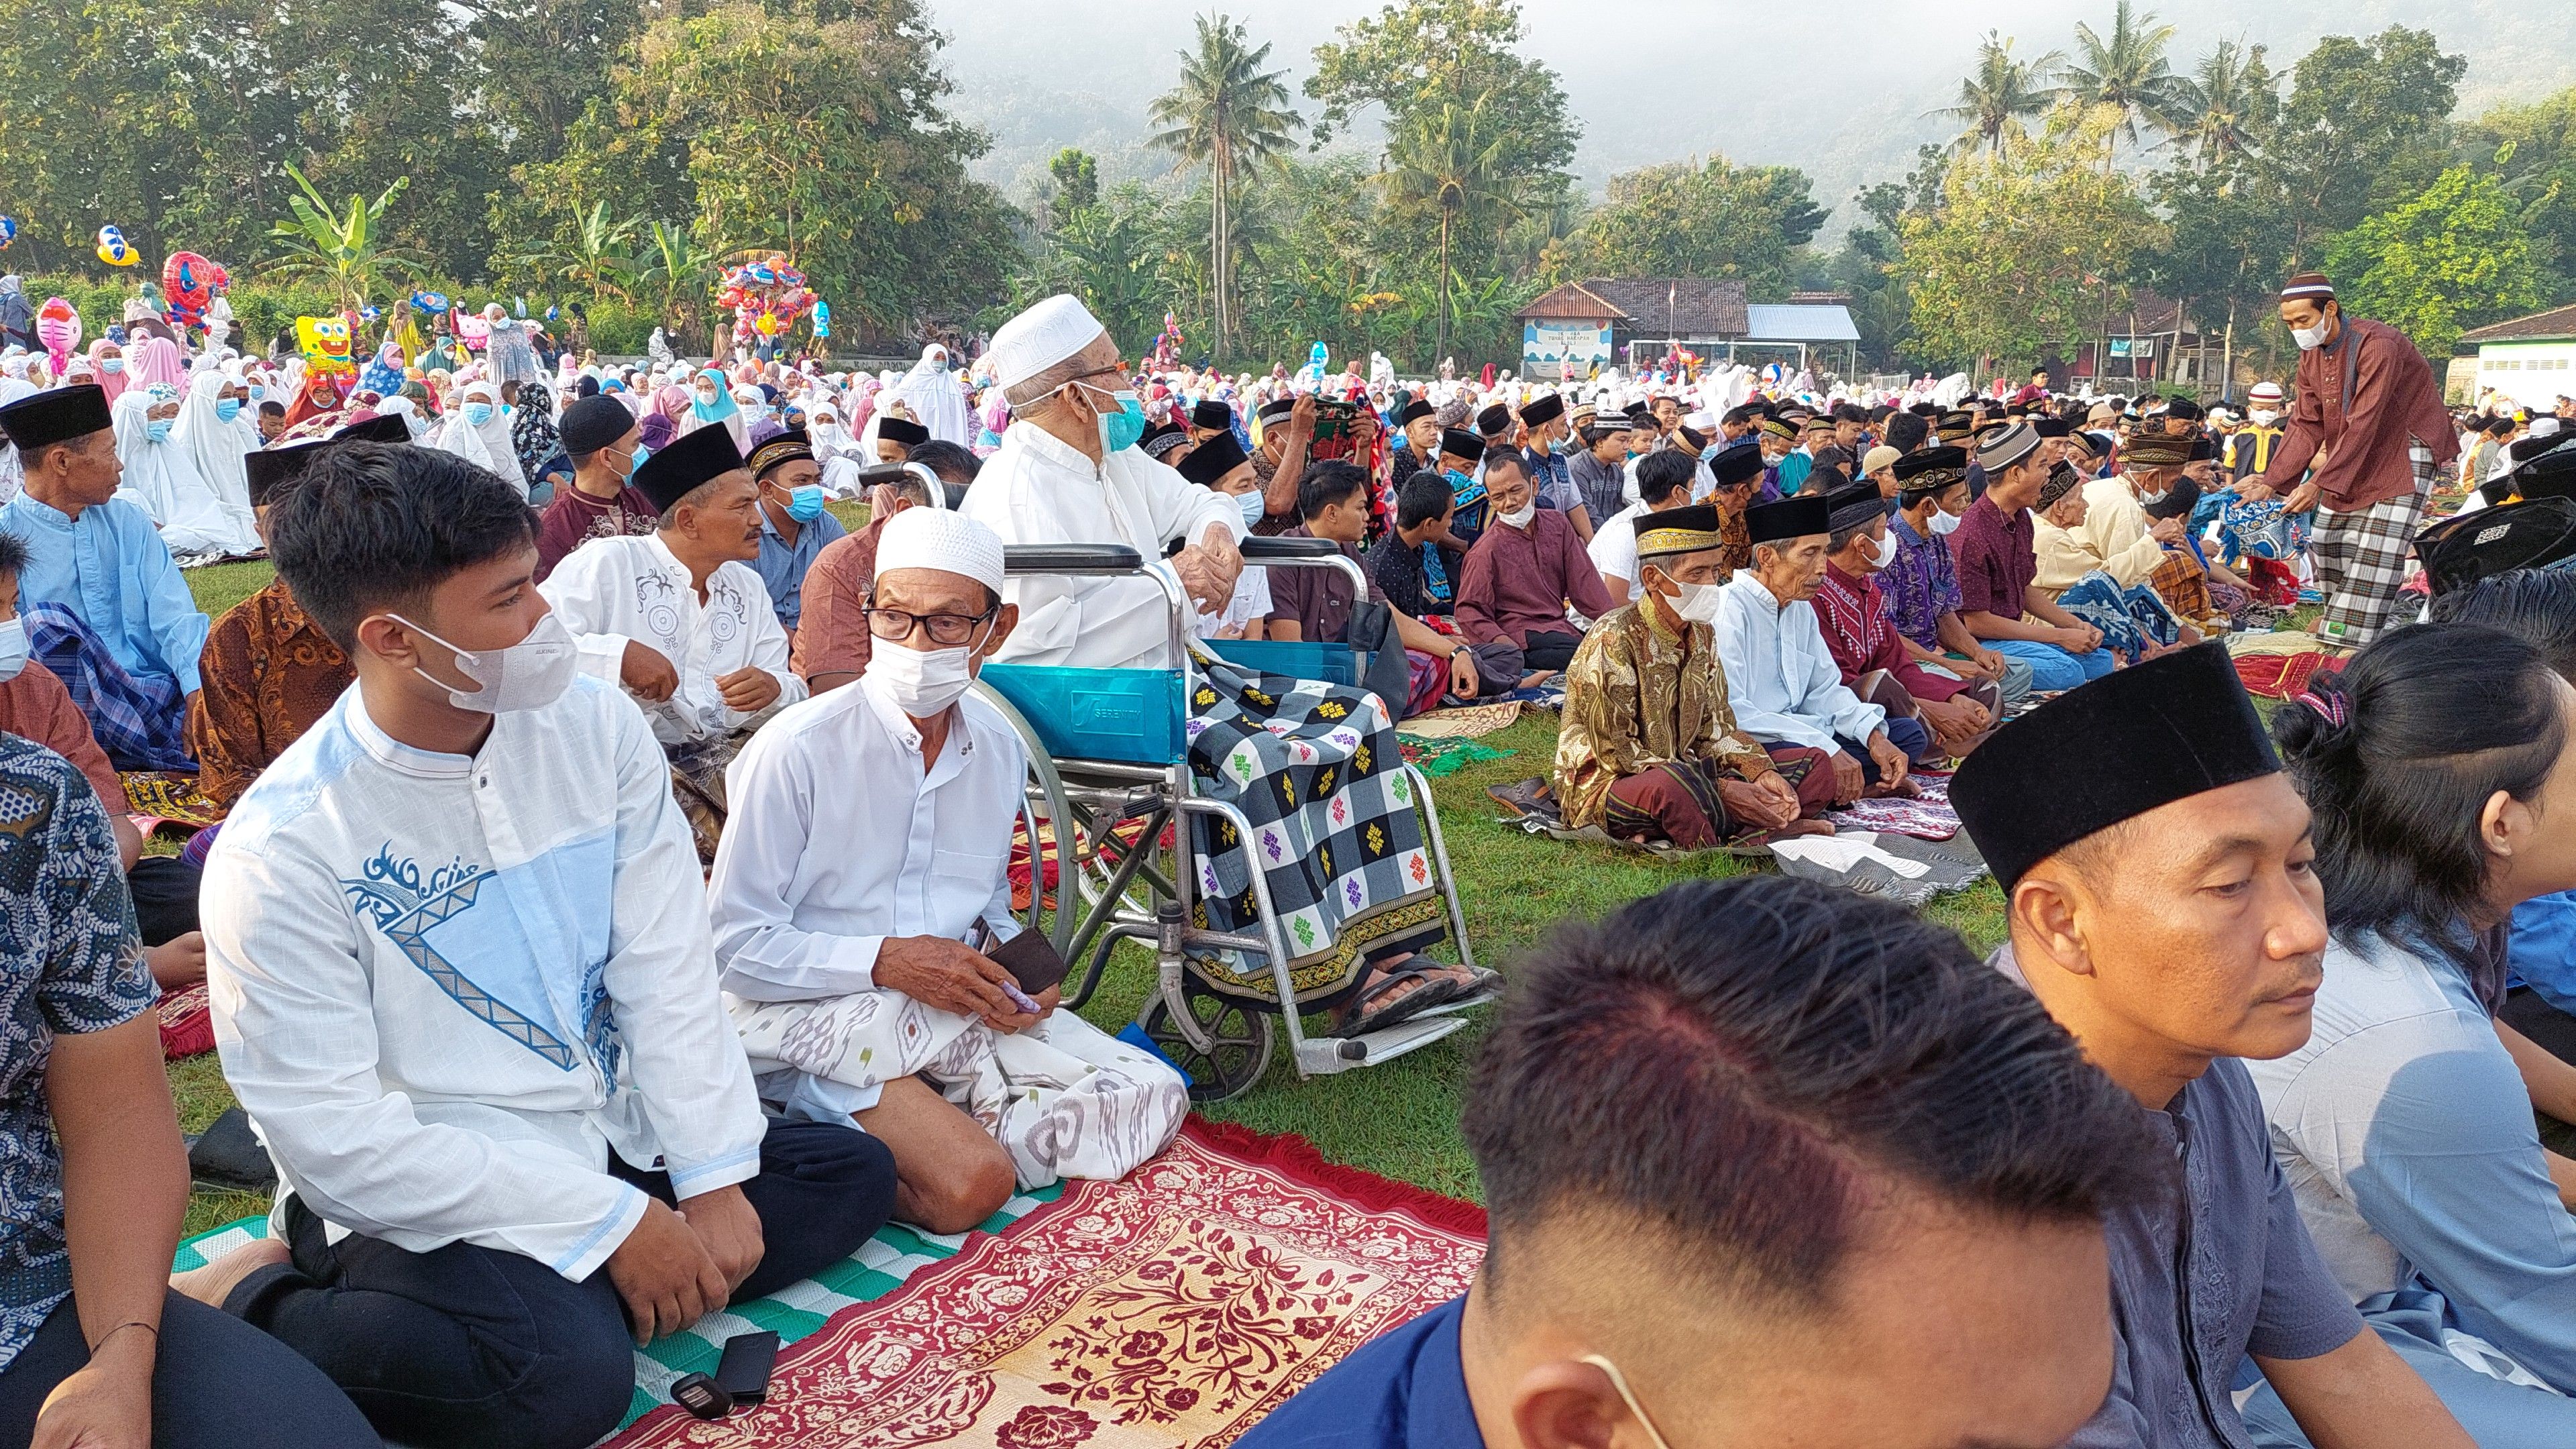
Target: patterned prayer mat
{"x": 1464, "y": 721}
{"x": 159, "y": 795}
{"x": 1446, "y": 755}
{"x": 1925, "y": 817}
{"x": 186, "y": 1028}
{"x": 1174, "y": 1307}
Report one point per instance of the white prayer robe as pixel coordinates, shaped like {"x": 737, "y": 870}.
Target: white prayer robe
{"x": 1783, "y": 682}
{"x": 836, "y": 840}
{"x": 1038, "y": 489}
{"x": 614, "y": 590}
{"x": 1614, "y": 550}
{"x": 446, "y": 987}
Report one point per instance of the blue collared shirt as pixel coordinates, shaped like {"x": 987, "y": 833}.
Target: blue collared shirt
{"x": 111, "y": 568}
{"x": 1406, "y": 1389}
{"x": 783, "y": 568}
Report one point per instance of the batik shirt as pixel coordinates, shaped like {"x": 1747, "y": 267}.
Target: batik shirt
{"x": 270, "y": 672}
{"x": 1639, "y": 694}
{"x": 1921, "y": 586}
{"x": 70, "y": 963}
{"x": 447, "y": 987}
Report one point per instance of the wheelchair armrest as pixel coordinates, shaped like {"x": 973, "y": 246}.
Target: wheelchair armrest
{"x": 1070, "y": 558}
{"x": 1267, "y": 550}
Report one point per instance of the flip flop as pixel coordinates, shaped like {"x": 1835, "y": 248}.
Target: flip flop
{"x": 1434, "y": 990}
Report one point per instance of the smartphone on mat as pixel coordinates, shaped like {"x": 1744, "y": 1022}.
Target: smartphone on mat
{"x": 743, "y": 1372}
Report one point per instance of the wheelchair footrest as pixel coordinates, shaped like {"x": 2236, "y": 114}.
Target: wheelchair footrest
{"x": 1321, "y": 1056}
{"x": 1453, "y": 1008}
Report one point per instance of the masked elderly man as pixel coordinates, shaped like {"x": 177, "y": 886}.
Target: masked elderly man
{"x": 1068, "y": 472}
{"x": 861, "y": 897}
{"x": 1789, "y": 693}
{"x": 2367, "y": 399}
{"x": 1649, "y": 749}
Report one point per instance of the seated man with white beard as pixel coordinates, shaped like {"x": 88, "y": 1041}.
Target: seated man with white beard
{"x": 867, "y": 850}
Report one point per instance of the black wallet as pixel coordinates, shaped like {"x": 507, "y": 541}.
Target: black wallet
{"x": 1031, "y": 959}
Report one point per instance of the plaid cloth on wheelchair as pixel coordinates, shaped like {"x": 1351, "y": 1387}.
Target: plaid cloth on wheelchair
{"x": 1318, "y": 773}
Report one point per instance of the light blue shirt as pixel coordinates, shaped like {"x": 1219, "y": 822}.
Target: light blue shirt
{"x": 2544, "y": 947}
{"x": 783, "y": 568}
{"x": 2407, "y": 1134}
{"x": 110, "y": 567}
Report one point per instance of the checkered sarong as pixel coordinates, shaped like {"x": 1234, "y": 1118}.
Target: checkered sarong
{"x": 140, "y": 722}
{"x": 2361, "y": 558}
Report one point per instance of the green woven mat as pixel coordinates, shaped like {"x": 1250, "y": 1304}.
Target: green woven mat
{"x": 1445, "y": 756}
{"x": 792, "y": 1313}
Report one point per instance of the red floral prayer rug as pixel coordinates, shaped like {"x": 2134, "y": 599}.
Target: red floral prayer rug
{"x": 186, "y": 1029}
{"x": 1175, "y": 1307}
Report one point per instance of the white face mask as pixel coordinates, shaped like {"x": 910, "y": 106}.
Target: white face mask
{"x": 2150, "y": 500}
{"x": 13, "y": 648}
{"x": 2309, "y": 338}
{"x": 1698, "y": 602}
{"x": 1883, "y": 552}
{"x": 1944, "y": 522}
{"x": 530, "y": 674}
{"x": 920, "y": 682}
{"x": 1522, "y": 518}
{"x": 1619, "y": 1381}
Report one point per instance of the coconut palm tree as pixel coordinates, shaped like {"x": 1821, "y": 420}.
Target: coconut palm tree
{"x": 342, "y": 250}
{"x": 1229, "y": 115}
{"x": 2129, "y": 70}
{"x": 1448, "y": 163}
{"x": 2225, "y": 108}
{"x": 2001, "y": 91}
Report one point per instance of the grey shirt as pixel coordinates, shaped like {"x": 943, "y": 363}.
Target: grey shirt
{"x": 2200, "y": 1280}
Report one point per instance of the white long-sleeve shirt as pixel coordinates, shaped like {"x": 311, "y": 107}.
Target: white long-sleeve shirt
{"x": 835, "y": 839}
{"x": 614, "y": 590}
{"x": 1781, "y": 679}
{"x": 1039, "y": 489}
{"x": 446, "y": 987}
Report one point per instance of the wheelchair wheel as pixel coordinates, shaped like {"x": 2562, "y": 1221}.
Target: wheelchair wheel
{"x": 1239, "y": 1039}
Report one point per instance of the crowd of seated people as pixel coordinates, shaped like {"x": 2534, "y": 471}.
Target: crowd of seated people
{"x": 602, "y": 927}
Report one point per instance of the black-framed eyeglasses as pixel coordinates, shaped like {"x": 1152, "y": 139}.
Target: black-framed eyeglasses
{"x": 950, "y": 629}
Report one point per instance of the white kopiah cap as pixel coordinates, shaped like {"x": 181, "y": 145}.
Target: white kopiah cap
{"x": 1041, "y": 337}
{"x": 932, "y": 538}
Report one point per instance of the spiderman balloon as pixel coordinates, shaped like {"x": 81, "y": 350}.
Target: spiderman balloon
{"x": 188, "y": 283}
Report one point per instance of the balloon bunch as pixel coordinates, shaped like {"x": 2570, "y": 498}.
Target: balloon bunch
{"x": 766, "y": 296}
{"x": 188, "y": 283}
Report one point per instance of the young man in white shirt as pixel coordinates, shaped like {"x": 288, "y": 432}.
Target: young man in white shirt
{"x": 463, "y": 984}
{"x": 869, "y": 846}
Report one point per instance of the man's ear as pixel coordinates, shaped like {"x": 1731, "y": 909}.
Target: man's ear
{"x": 2047, "y": 913}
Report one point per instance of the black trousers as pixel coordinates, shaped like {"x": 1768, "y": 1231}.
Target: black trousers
{"x": 472, "y": 1346}
{"x": 164, "y": 888}
{"x": 218, "y": 1384}
{"x": 1548, "y": 649}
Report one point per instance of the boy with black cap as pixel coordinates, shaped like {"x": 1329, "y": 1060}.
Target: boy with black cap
{"x": 1462, "y": 462}
{"x": 606, "y": 444}
{"x": 105, "y": 607}
{"x": 794, "y": 525}
{"x": 1543, "y": 425}
{"x": 897, "y": 437}
{"x": 2160, "y": 893}
{"x": 1417, "y": 424}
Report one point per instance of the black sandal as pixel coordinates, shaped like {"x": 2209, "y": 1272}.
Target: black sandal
{"x": 1434, "y": 989}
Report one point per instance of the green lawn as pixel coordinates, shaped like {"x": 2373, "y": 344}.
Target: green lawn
{"x": 1400, "y": 1119}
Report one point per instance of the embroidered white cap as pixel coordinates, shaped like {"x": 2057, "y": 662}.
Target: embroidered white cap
{"x": 1039, "y": 338}
{"x": 933, "y": 538}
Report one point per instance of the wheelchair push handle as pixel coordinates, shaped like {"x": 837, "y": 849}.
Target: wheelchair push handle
{"x": 1274, "y": 550}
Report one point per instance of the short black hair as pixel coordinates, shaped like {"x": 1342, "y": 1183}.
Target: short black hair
{"x": 272, "y": 405}
{"x": 1851, "y": 413}
{"x": 13, "y": 555}
{"x": 1906, "y": 431}
{"x": 376, "y": 526}
{"x": 953, "y": 462}
{"x": 2537, "y": 606}
{"x": 1737, "y": 416}
{"x": 1733, "y": 1064}
{"x": 1425, "y": 496}
{"x": 1661, "y": 474}
{"x": 1509, "y": 456}
{"x": 1326, "y": 484}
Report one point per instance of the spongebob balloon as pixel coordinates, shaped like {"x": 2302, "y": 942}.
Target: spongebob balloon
{"x": 58, "y": 327}
{"x": 113, "y": 250}
{"x": 325, "y": 344}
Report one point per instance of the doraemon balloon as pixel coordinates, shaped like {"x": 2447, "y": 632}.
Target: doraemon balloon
{"x": 429, "y": 302}
{"x": 113, "y": 250}
{"x": 370, "y": 312}
{"x": 822, "y": 318}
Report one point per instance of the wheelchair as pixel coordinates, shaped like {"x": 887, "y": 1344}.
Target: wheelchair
{"x": 1109, "y": 780}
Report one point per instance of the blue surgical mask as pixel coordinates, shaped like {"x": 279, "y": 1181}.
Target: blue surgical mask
{"x": 641, "y": 453}
{"x": 257, "y": 392}
{"x": 157, "y": 429}
{"x": 1120, "y": 430}
{"x": 111, "y": 364}
{"x": 804, "y": 501}
{"x": 1255, "y": 507}
{"x": 477, "y": 414}
{"x": 227, "y": 409}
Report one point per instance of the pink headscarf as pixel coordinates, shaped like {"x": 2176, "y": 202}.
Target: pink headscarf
{"x": 155, "y": 359}
{"x": 672, "y": 401}
{"x": 112, "y": 382}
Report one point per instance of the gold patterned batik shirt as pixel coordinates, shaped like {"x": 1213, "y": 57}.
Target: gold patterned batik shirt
{"x": 1638, "y": 694}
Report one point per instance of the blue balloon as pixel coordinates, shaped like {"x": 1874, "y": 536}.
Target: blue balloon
{"x": 8, "y": 230}
{"x": 425, "y": 301}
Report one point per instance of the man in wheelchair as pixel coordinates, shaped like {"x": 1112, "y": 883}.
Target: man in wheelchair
{"x": 861, "y": 895}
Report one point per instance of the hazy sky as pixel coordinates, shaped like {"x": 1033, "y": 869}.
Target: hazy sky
{"x": 1837, "y": 88}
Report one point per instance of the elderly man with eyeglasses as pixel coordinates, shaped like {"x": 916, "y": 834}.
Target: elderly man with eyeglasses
{"x": 862, "y": 908}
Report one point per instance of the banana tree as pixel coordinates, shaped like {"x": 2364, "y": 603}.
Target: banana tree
{"x": 679, "y": 274}
{"x": 598, "y": 255}
{"x": 341, "y": 250}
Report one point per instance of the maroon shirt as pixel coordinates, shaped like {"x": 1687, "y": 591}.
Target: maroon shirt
{"x": 2393, "y": 401}
{"x": 1995, "y": 557}
{"x": 1517, "y": 582}
{"x": 573, "y": 518}
{"x": 1317, "y": 601}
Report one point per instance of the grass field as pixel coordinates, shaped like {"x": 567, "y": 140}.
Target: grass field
{"x": 1400, "y": 1119}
